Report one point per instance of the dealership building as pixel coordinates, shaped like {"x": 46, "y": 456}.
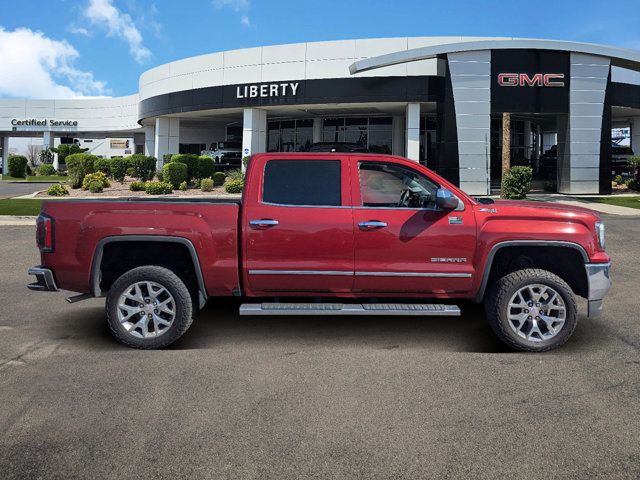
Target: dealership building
{"x": 436, "y": 100}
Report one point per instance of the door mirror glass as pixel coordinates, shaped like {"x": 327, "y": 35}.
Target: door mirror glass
{"x": 445, "y": 200}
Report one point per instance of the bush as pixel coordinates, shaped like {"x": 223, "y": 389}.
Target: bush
{"x": 632, "y": 184}
{"x": 137, "y": 186}
{"x": 79, "y": 165}
{"x": 219, "y": 178}
{"x": 57, "y": 190}
{"x": 205, "y": 166}
{"x": 118, "y": 168}
{"x": 617, "y": 179}
{"x": 182, "y": 186}
{"x": 46, "y": 169}
{"x": 102, "y": 165}
{"x": 95, "y": 179}
{"x": 235, "y": 175}
{"x": 174, "y": 173}
{"x": 206, "y": 184}
{"x": 634, "y": 165}
{"x": 66, "y": 150}
{"x": 143, "y": 167}
{"x": 94, "y": 186}
{"x": 29, "y": 171}
{"x": 517, "y": 183}
{"x": 234, "y": 186}
{"x": 158, "y": 188}
{"x": 166, "y": 158}
{"x": 191, "y": 161}
{"x": 17, "y": 166}
{"x": 160, "y": 175}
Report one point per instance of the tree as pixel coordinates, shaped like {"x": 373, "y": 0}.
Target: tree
{"x": 65, "y": 150}
{"x": 46, "y": 155}
{"x": 33, "y": 154}
{"x": 506, "y": 146}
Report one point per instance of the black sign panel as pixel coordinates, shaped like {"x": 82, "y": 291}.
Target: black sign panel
{"x": 529, "y": 81}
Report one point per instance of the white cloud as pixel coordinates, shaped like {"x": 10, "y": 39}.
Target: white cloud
{"x": 238, "y": 6}
{"x": 104, "y": 14}
{"x": 35, "y": 66}
{"x": 78, "y": 30}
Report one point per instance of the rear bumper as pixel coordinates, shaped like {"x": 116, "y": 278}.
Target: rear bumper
{"x": 599, "y": 284}
{"x": 44, "y": 280}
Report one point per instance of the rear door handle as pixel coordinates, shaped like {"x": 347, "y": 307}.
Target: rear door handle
{"x": 263, "y": 223}
{"x": 372, "y": 225}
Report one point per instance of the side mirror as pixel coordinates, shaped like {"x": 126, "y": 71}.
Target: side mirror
{"x": 445, "y": 200}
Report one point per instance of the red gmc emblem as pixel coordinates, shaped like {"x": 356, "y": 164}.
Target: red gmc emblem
{"x": 537, "y": 80}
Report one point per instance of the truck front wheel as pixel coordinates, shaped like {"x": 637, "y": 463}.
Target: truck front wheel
{"x": 532, "y": 310}
{"x": 148, "y": 307}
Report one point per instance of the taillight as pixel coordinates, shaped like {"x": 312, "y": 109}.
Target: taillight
{"x": 44, "y": 233}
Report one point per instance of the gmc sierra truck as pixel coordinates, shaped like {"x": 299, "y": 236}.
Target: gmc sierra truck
{"x": 328, "y": 234}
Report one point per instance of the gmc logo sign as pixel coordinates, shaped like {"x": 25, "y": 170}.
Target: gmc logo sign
{"x": 537, "y": 80}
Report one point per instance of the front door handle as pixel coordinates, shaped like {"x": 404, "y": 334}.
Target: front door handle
{"x": 263, "y": 223}
{"x": 372, "y": 225}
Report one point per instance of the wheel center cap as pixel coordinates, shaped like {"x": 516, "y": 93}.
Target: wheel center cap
{"x": 148, "y": 308}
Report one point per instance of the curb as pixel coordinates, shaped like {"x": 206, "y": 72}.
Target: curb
{"x": 17, "y": 220}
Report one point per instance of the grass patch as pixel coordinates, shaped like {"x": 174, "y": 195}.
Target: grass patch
{"x": 631, "y": 202}
{"x": 20, "y": 206}
{"x": 38, "y": 178}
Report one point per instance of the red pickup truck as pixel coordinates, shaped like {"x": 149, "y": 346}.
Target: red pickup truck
{"x": 334, "y": 234}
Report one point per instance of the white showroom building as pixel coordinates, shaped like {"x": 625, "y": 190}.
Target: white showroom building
{"x": 436, "y": 100}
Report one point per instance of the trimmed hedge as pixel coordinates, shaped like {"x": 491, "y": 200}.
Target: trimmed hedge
{"x": 219, "y": 178}
{"x": 46, "y": 169}
{"x": 79, "y": 165}
{"x": 205, "y": 166}
{"x": 158, "y": 188}
{"x": 143, "y": 167}
{"x": 175, "y": 173}
{"x": 517, "y": 183}
{"x": 119, "y": 167}
{"x": 17, "y": 166}
{"x": 102, "y": 165}
{"x": 137, "y": 186}
{"x": 190, "y": 160}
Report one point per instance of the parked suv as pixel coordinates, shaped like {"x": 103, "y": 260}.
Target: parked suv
{"x": 227, "y": 152}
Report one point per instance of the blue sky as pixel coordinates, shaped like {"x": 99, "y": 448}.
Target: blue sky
{"x": 65, "y": 48}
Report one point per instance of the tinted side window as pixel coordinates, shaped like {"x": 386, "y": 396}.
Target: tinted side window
{"x": 302, "y": 182}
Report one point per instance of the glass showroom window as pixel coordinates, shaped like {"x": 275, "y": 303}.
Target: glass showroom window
{"x": 290, "y": 136}
{"x": 374, "y": 133}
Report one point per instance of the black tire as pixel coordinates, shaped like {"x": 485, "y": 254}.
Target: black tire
{"x": 497, "y": 308}
{"x": 174, "y": 285}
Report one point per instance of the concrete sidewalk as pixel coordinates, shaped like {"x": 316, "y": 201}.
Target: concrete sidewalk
{"x": 582, "y": 201}
{"x": 15, "y": 220}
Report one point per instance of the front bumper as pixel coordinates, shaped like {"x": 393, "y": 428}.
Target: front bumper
{"x": 599, "y": 283}
{"x": 44, "y": 280}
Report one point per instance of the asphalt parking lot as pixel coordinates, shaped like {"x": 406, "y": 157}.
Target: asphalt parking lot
{"x": 315, "y": 397}
{"x": 14, "y": 189}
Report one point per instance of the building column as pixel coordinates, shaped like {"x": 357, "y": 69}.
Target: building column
{"x": 166, "y": 138}
{"x": 254, "y": 132}
{"x": 527, "y": 139}
{"x": 150, "y": 141}
{"x": 47, "y": 142}
{"x": 5, "y": 155}
{"x": 397, "y": 136}
{"x": 412, "y": 132}
{"x": 317, "y": 130}
{"x": 634, "y": 124}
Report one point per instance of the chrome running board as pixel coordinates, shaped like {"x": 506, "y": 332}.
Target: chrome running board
{"x": 406, "y": 309}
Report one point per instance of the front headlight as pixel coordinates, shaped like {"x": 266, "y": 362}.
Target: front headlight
{"x": 600, "y": 233}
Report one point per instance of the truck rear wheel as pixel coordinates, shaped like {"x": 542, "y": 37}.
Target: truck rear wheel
{"x": 532, "y": 310}
{"x": 148, "y": 307}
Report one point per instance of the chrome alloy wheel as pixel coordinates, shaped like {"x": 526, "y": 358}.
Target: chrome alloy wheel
{"x": 536, "y": 312}
{"x": 146, "y": 309}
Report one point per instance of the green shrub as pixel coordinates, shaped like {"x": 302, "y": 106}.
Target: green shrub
{"x": 46, "y": 155}
{"x": 98, "y": 178}
{"x": 617, "y": 179}
{"x": 517, "y": 183}
{"x": 206, "y": 184}
{"x": 174, "y": 173}
{"x": 102, "y": 165}
{"x": 632, "y": 184}
{"x": 65, "y": 150}
{"x": 634, "y": 164}
{"x": 205, "y": 166}
{"x": 550, "y": 187}
{"x": 57, "y": 190}
{"x": 245, "y": 162}
{"x": 190, "y": 160}
{"x": 94, "y": 186}
{"x": 160, "y": 175}
{"x": 234, "y": 186}
{"x": 182, "y": 186}
{"x": 118, "y": 168}
{"x": 235, "y": 175}
{"x": 143, "y": 167}
{"x": 219, "y": 178}
{"x": 166, "y": 158}
{"x": 79, "y": 165}
{"x": 17, "y": 166}
{"x": 137, "y": 186}
{"x": 158, "y": 188}
{"x": 46, "y": 169}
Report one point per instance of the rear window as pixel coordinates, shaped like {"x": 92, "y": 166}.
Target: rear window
{"x": 302, "y": 182}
